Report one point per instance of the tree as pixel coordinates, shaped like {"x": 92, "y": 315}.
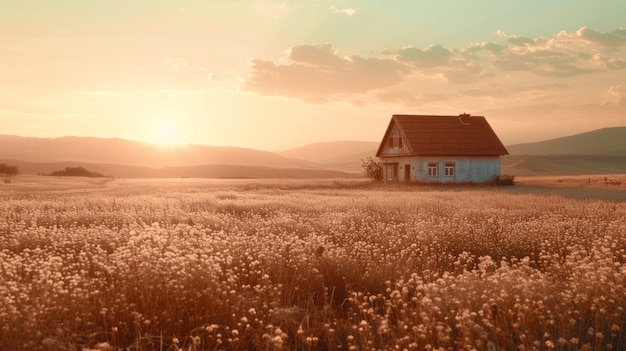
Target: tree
{"x": 9, "y": 171}
{"x": 372, "y": 169}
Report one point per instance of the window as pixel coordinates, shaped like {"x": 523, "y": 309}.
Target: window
{"x": 400, "y": 142}
{"x": 449, "y": 169}
{"x": 390, "y": 142}
{"x": 432, "y": 169}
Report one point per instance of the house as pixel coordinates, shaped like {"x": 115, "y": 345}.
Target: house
{"x": 440, "y": 149}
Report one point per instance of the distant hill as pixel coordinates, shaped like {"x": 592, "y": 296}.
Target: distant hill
{"x": 337, "y": 155}
{"x": 332, "y": 152}
{"x": 195, "y": 171}
{"x": 607, "y": 141}
{"x": 126, "y": 158}
{"x": 127, "y": 152}
{"x": 562, "y": 164}
{"x": 598, "y": 151}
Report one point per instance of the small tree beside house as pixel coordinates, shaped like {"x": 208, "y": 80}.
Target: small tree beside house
{"x": 372, "y": 169}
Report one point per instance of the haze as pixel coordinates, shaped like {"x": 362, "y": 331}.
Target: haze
{"x": 276, "y": 75}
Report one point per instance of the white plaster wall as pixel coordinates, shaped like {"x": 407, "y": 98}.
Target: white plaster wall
{"x": 480, "y": 169}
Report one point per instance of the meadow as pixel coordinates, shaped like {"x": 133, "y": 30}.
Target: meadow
{"x": 196, "y": 264}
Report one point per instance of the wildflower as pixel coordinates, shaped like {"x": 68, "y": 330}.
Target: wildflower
{"x": 103, "y": 346}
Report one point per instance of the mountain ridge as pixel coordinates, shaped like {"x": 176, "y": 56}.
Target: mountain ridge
{"x": 128, "y": 152}
{"x": 604, "y": 141}
{"x": 598, "y": 150}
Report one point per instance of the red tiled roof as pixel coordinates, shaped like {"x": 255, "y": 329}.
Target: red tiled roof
{"x": 462, "y": 135}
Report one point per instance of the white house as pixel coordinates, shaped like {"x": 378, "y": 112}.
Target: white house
{"x": 440, "y": 149}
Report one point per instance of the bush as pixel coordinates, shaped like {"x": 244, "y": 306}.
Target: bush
{"x": 76, "y": 172}
{"x": 9, "y": 171}
{"x": 372, "y": 169}
{"x": 505, "y": 179}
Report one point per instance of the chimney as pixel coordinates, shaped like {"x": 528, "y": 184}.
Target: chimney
{"x": 464, "y": 121}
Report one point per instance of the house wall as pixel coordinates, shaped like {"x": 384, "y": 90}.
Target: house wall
{"x": 475, "y": 169}
{"x": 398, "y": 147}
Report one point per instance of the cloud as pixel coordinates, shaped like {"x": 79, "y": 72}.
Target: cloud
{"x": 517, "y": 40}
{"x": 316, "y": 73}
{"x": 552, "y": 57}
{"x": 432, "y": 56}
{"x": 186, "y": 73}
{"x": 462, "y": 71}
{"x": 319, "y": 55}
{"x": 348, "y": 12}
{"x": 613, "y": 63}
{"x": 176, "y": 62}
{"x": 564, "y": 55}
{"x": 143, "y": 92}
{"x": 617, "y": 95}
{"x": 408, "y": 98}
{"x": 612, "y": 39}
{"x": 486, "y": 46}
{"x": 541, "y": 61}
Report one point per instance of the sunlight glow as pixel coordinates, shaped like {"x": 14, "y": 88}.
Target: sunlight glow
{"x": 166, "y": 134}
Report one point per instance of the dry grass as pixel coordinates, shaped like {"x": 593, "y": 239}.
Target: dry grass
{"x": 326, "y": 265}
{"x": 602, "y": 181}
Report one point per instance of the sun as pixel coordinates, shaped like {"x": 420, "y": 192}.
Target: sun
{"x": 166, "y": 134}
{"x": 166, "y": 128}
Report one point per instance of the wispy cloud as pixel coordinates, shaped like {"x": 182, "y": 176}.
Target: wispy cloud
{"x": 613, "y": 63}
{"x": 318, "y": 55}
{"x": 187, "y": 73}
{"x": 407, "y": 97}
{"x": 347, "y": 11}
{"x": 617, "y": 95}
{"x": 432, "y": 56}
{"x": 315, "y": 73}
{"x": 566, "y": 54}
{"x": 143, "y": 92}
{"x": 613, "y": 39}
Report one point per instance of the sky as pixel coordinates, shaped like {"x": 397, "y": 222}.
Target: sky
{"x": 274, "y": 75}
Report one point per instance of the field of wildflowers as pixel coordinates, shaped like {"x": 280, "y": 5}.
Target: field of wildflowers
{"x": 307, "y": 265}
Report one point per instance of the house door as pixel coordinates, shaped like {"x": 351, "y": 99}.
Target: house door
{"x": 391, "y": 171}
{"x": 407, "y": 173}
